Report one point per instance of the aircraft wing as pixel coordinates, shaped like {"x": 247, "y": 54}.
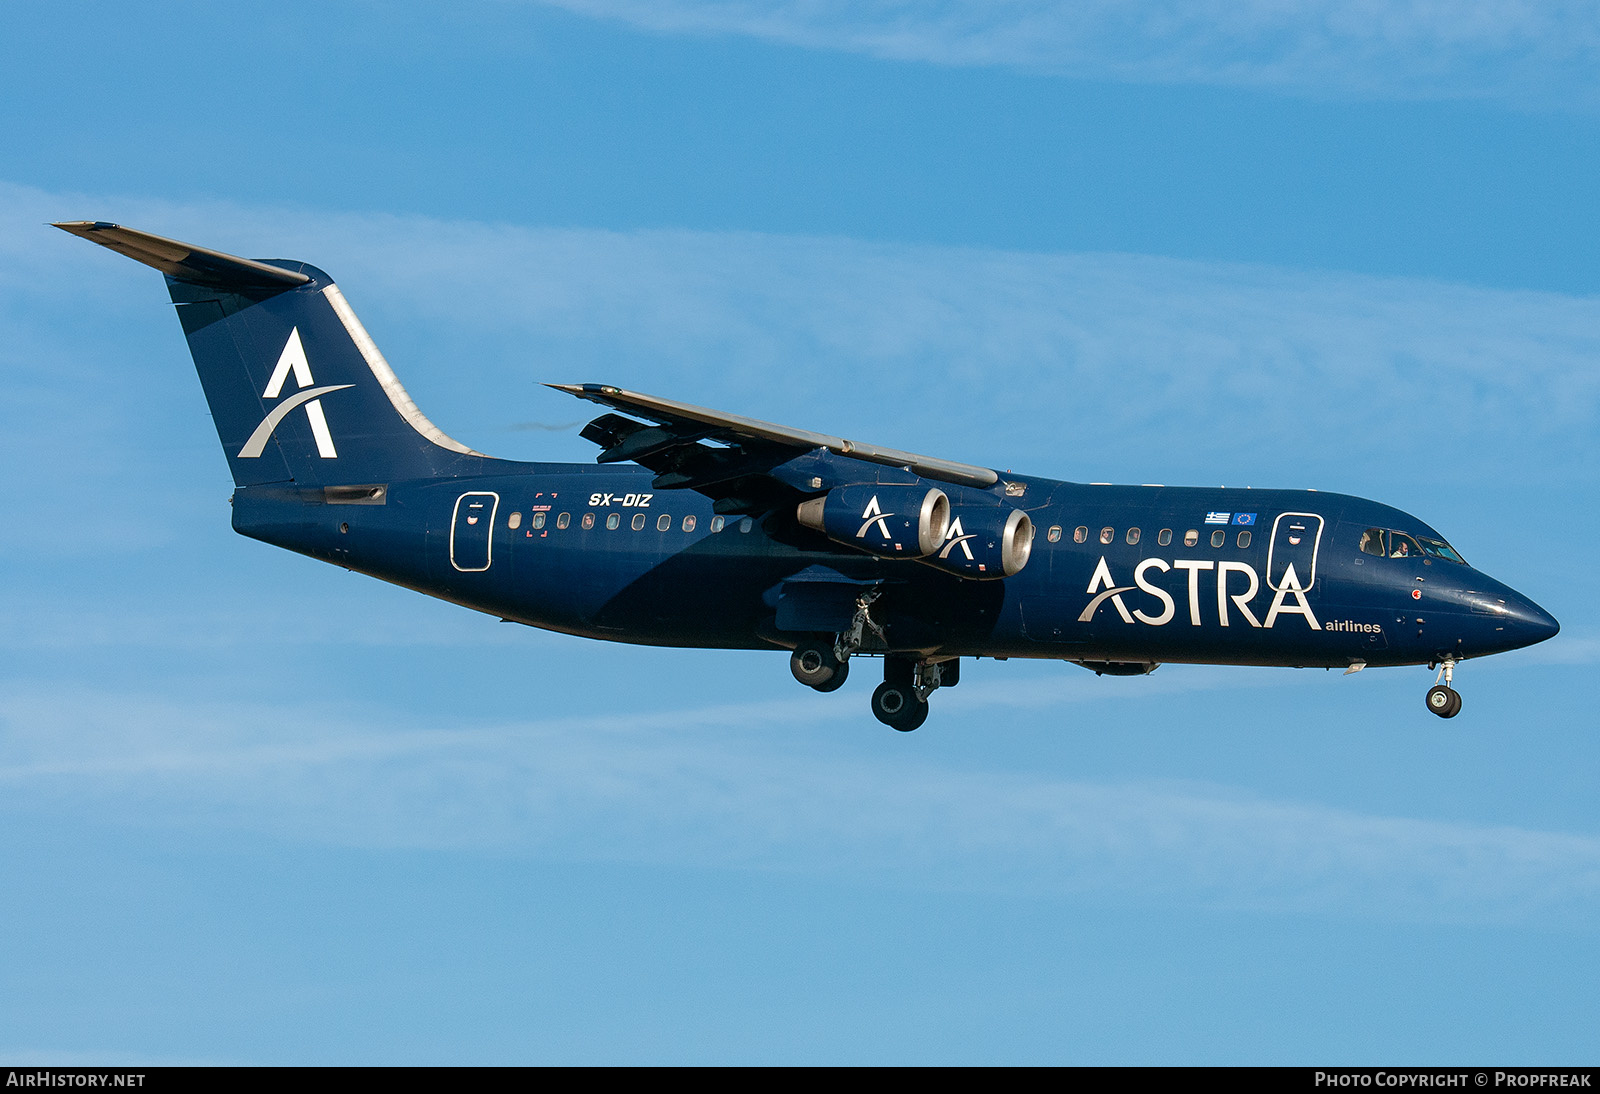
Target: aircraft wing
{"x": 737, "y": 469}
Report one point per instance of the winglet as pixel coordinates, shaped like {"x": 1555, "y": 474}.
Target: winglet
{"x": 184, "y": 261}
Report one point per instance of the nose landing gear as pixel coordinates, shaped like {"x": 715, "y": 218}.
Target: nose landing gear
{"x": 1443, "y": 699}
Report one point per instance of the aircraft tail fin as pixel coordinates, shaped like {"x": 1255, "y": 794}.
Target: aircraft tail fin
{"x": 298, "y": 391}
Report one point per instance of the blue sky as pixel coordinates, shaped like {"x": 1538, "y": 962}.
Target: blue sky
{"x": 257, "y": 809}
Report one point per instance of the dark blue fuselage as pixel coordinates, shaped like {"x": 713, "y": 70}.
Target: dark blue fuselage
{"x": 1118, "y": 574}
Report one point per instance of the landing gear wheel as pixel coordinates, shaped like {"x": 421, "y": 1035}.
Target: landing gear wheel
{"x": 815, "y": 666}
{"x": 840, "y": 675}
{"x": 896, "y": 705}
{"x": 1444, "y": 701}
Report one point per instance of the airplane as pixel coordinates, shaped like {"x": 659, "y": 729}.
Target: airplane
{"x": 698, "y": 528}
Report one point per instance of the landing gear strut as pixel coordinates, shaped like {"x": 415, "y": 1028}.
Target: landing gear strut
{"x": 1443, "y": 699}
{"x": 824, "y": 665}
{"x": 848, "y": 641}
{"x": 901, "y": 701}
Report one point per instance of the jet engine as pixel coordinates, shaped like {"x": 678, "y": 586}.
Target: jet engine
{"x": 891, "y": 521}
{"x": 985, "y": 543}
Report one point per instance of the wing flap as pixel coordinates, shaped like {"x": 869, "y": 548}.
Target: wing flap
{"x": 682, "y": 424}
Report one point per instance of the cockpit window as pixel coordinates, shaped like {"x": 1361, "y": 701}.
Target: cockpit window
{"x": 1438, "y": 548}
{"x": 1387, "y": 544}
{"x": 1403, "y": 546}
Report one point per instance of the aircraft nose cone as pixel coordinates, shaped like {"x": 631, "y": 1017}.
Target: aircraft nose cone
{"x": 1531, "y": 623}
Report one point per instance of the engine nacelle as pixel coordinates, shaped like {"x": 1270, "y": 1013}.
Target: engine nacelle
{"x": 984, "y": 543}
{"x": 892, "y": 521}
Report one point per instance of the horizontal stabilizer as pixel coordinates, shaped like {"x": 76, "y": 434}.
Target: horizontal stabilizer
{"x": 184, "y": 261}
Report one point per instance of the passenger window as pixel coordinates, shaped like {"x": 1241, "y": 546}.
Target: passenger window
{"x": 1218, "y": 538}
{"x": 1190, "y": 538}
{"x": 638, "y": 522}
{"x": 1403, "y": 546}
{"x": 1080, "y": 534}
{"x": 1165, "y": 537}
{"x": 717, "y": 523}
{"x": 588, "y": 521}
{"x": 538, "y": 520}
{"x": 663, "y": 522}
{"x": 1244, "y": 540}
{"x": 563, "y": 520}
{"x": 613, "y": 521}
{"x": 746, "y": 524}
{"x": 1054, "y": 534}
{"x": 1107, "y": 535}
{"x": 688, "y": 524}
{"x": 514, "y": 521}
{"x": 1133, "y": 536}
{"x": 1372, "y": 542}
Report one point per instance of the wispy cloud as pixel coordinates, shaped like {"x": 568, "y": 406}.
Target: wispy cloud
{"x": 1074, "y": 362}
{"x": 1512, "y": 49}
{"x": 359, "y": 616}
{"x": 542, "y": 427}
{"x": 1573, "y": 646}
{"x": 695, "y": 786}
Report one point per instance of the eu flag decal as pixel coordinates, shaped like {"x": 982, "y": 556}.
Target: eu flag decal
{"x": 1244, "y": 518}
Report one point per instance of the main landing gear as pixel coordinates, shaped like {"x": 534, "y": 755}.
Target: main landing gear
{"x": 1443, "y": 699}
{"x": 825, "y": 665}
{"x": 816, "y": 665}
{"x": 901, "y": 701}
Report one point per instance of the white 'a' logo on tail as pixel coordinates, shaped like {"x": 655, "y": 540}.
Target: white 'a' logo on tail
{"x": 293, "y": 360}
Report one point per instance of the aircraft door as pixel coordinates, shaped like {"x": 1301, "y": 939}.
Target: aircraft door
{"x": 1295, "y": 538}
{"x": 472, "y": 531}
